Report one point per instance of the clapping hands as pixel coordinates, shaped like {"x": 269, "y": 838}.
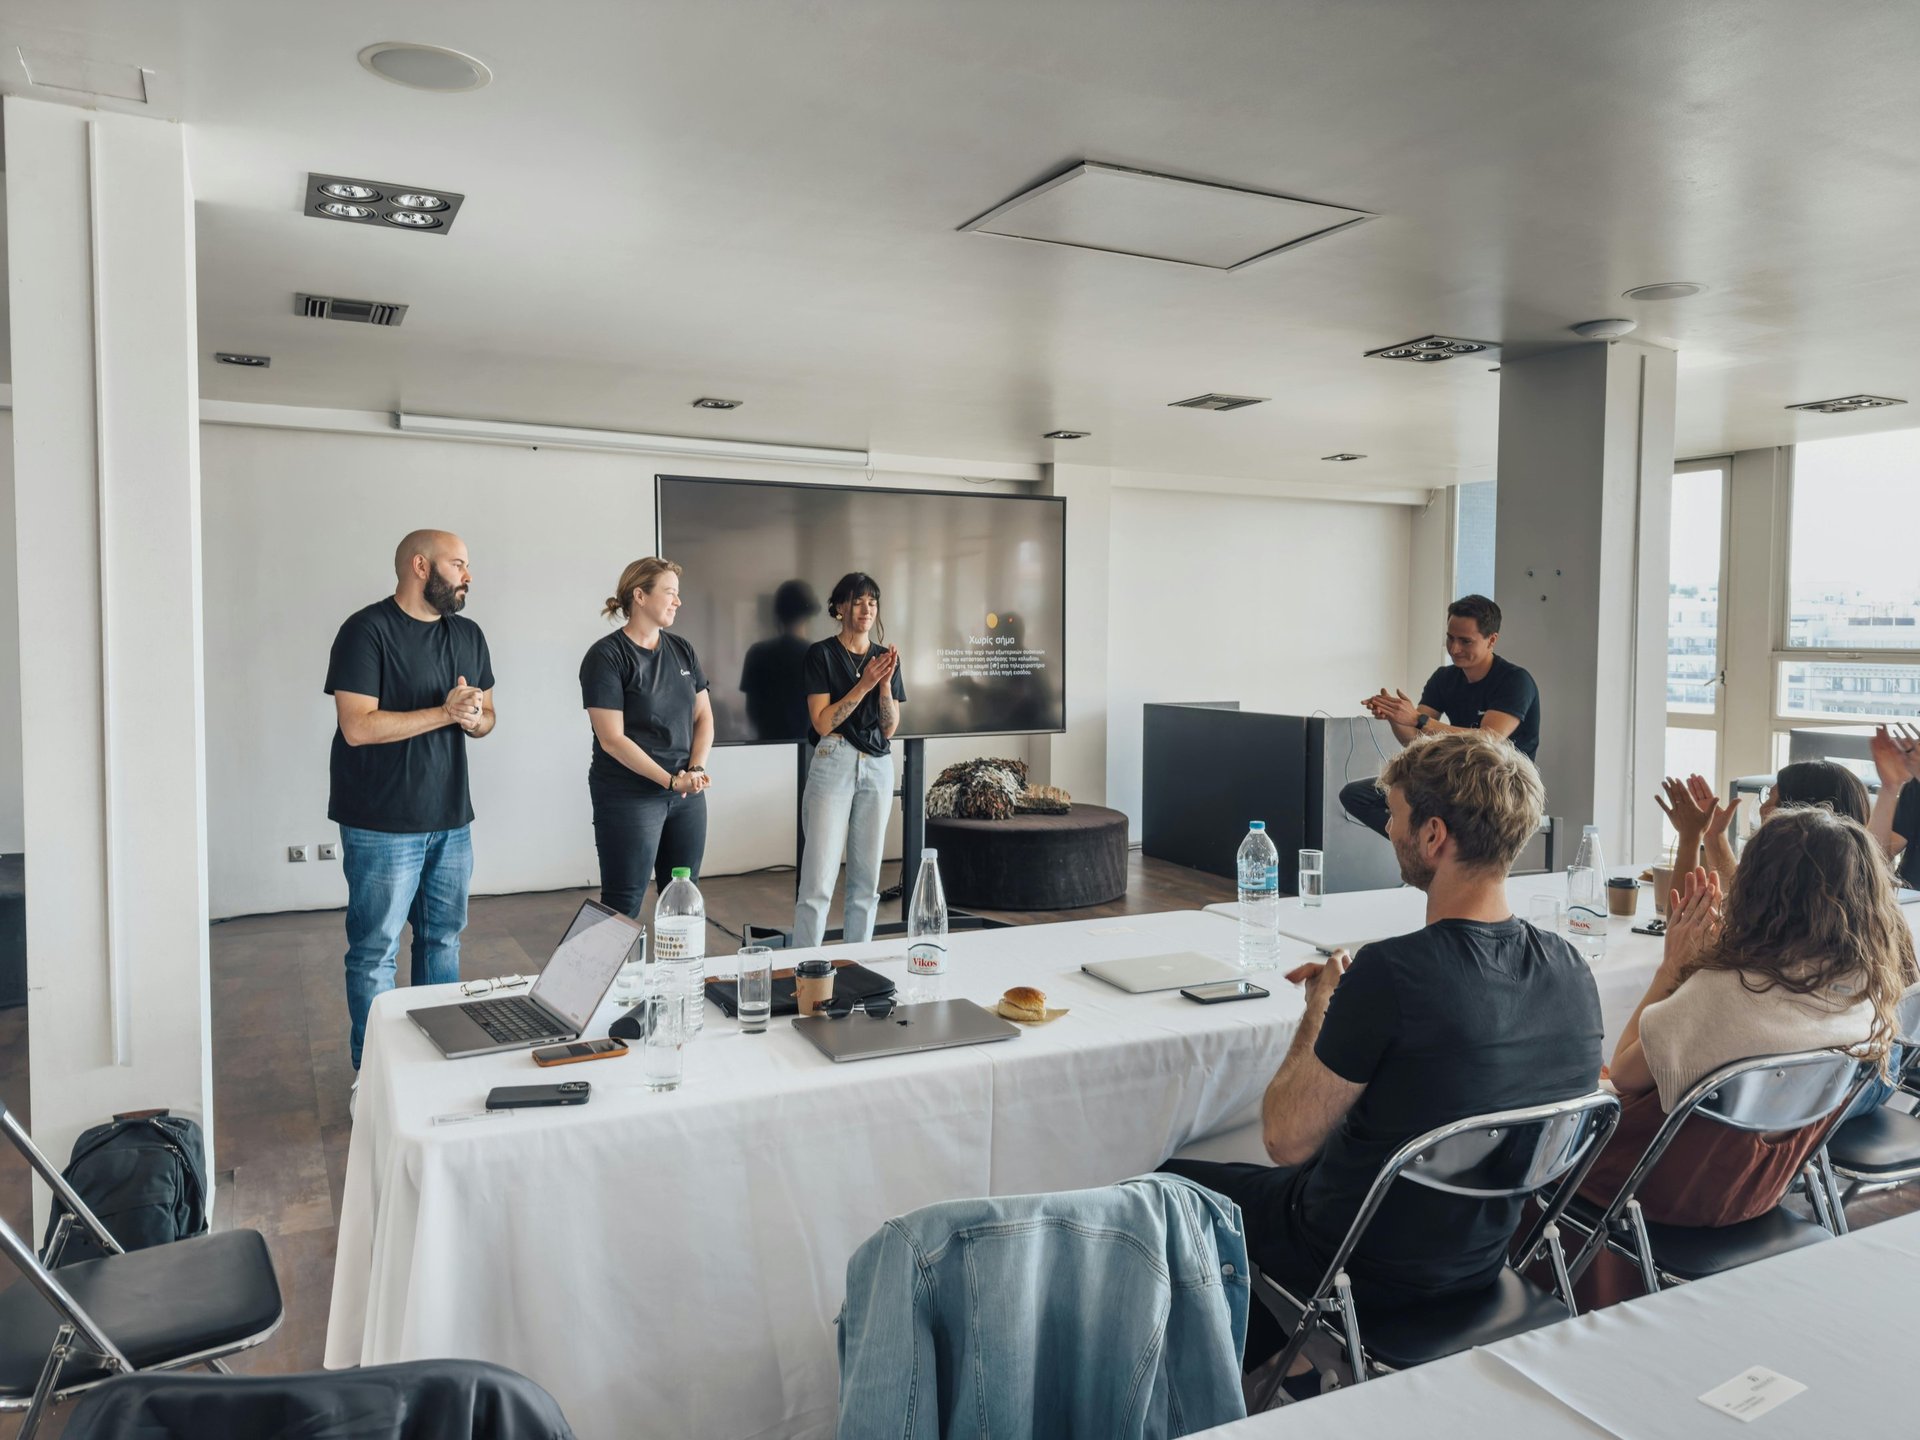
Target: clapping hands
{"x": 1896, "y": 754}
{"x": 1396, "y": 709}
{"x": 1692, "y": 808}
{"x": 1693, "y": 919}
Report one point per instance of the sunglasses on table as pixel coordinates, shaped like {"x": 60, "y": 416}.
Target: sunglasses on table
{"x": 878, "y": 1007}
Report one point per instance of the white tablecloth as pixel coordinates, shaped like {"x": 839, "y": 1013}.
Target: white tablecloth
{"x": 1831, "y": 1317}
{"x": 671, "y": 1264}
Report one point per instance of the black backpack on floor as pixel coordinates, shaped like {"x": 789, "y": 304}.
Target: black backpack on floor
{"x": 144, "y": 1176}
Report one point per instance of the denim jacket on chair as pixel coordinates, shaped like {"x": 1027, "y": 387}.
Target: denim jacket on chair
{"x": 1108, "y": 1314}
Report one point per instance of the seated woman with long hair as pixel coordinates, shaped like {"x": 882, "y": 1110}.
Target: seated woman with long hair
{"x": 1807, "y": 951}
{"x": 1700, "y": 820}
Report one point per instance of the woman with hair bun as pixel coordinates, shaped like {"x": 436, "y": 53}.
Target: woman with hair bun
{"x": 854, "y": 695}
{"x": 646, "y": 696}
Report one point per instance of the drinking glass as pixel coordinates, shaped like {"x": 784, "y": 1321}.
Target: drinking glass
{"x": 630, "y": 985}
{"x": 754, "y": 988}
{"x": 1313, "y": 876}
{"x": 1543, "y": 913}
{"x": 663, "y": 1036}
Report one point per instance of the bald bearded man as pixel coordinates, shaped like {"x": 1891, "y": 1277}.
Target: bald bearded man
{"x": 411, "y": 683}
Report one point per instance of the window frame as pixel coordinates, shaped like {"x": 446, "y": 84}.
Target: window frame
{"x": 1715, "y": 719}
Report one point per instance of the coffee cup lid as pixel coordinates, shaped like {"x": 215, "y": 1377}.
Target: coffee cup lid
{"x": 1623, "y": 882}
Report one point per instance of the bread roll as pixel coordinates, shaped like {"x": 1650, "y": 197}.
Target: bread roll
{"x": 1023, "y": 1002}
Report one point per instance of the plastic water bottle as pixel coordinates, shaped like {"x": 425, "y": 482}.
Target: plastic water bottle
{"x": 1587, "y": 894}
{"x": 680, "y": 945}
{"x": 1259, "y": 867}
{"x": 927, "y": 935}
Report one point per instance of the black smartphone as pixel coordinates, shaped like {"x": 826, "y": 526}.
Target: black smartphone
{"x": 524, "y": 1097}
{"x": 1652, "y": 927}
{"x": 1225, "y": 990}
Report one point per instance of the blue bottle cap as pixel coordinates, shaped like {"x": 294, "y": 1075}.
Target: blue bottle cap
{"x": 1258, "y": 825}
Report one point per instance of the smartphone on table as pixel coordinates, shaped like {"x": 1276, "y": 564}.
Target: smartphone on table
{"x": 1224, "y": 990}
{"x": 527, "y": 1097}
{"x": 579, "y": 1050}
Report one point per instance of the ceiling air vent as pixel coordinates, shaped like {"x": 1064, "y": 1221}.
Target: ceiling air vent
{"x": 1847, "y": 404}
{"x": 365, "y": 312}
{"x": 1219, "y": 402}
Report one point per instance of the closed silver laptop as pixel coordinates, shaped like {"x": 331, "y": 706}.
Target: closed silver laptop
{"x": 571, "y": 985}
{"x": 1143, "y": 974}
{"x": 936, "y": 1026}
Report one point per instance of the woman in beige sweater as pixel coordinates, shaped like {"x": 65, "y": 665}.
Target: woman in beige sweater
{"x": 1807, "y": 951}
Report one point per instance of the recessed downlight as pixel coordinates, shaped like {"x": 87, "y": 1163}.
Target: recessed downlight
{"x": 1429, "y": 348}
{"x": 340, "y": 210}
{"x": 359, "y": 201}
{"x": 1066, "y": 435}
{"x": 1847, "y": 404}
{"x": 1664, "y": 290}
{"x": 714, "y": 402}
{"x": 419, "y": 200}
{"x": 425, "y": 67}
{"x": 348, "y": 190}
{"x": 414, "y": 219}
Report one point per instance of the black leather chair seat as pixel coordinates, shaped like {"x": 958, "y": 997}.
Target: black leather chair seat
{"x": 1431, "y": 1331}
{"x": 157, "y": 1305}
{"x": 1692, "y": 1252}
{"x": 1881, "y": 1142}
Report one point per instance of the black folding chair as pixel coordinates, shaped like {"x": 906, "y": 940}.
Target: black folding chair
{"x": 1766, "y": 1094}
{"x": 415, "y": 1400}
{"x": 1880, "y": 1149}
{"x": 66, "y": 1330}
{"x": 1501, "y": 1156}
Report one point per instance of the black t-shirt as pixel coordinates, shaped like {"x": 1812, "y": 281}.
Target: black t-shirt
{"x": 1457, "y": 1019}
{"x": 406, "y": 787}
{"x": 1906, "y": 823}
{"x": 773, "y": 678}
{"x": 1505, "y": 687}
{"x": 653, "y": 690}
{"x": 832, "y": 670}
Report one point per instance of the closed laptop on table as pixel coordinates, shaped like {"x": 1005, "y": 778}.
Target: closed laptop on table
{"x": 1143, "y": 974}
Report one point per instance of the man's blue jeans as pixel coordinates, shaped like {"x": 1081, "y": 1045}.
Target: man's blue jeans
{"x": 395, "y": 880}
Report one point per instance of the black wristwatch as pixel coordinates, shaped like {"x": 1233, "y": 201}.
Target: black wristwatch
{"x": 1421, "y": 723}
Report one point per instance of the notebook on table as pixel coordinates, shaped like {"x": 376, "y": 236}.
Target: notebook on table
{"x": 852, "y": 981}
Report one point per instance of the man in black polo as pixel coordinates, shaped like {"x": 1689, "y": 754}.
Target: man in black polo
{"x": 412, "y": 683}
{"x": 1476, "y": 690}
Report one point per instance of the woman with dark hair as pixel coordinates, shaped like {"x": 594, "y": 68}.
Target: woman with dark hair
{"x": 646, "y": 698}
{"x": 1701, "y": 820}
{"x": 854, "y": 695}
{"x": 1808, "y": 951}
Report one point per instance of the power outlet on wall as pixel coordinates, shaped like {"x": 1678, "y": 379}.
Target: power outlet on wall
{"x": 329, "y": 850}
{"x": 297, "y": 854}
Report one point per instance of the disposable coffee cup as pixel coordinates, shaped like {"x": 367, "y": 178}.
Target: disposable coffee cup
{"x": 1623, "y": 895}
{"x": 812, "y": 986}
{"x": 1662, "y": 886}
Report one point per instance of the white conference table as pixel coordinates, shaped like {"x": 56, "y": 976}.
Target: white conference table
{"x": 671, "y": 1264}
{"x": 1830, "y": 1317}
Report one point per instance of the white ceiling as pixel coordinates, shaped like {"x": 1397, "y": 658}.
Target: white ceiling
{"x": 761, "y": 200}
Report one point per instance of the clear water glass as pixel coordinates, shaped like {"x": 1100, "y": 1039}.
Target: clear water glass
{"x": 1543, "y": 913}
{"x": 630, "y": 985}
{"x": 663, "y": 1037}
{"x": 754, "y": 992}
{"x": 1313, "y": 876}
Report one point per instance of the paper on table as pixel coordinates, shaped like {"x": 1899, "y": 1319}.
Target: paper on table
{"x": 1752, "y": 1393}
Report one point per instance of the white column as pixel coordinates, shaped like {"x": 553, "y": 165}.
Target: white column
{"x": 107, "y": 509}
{"x": 1586, "y": 482}
{"x": 1077, "y": 759}
{"x": 1757, "y": 521}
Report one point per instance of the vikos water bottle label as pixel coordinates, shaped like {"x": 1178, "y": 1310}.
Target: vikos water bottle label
{"x": 1259, "y": 877}
{"x": 926, "y": 958}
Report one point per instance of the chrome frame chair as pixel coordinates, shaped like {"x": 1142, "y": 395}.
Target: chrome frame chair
{"x": 1881, "y": 1149}
{"x": 83, "y": 1338}
{"x": 1765, "y": 1094}
{"x": 1489, "y": 1157}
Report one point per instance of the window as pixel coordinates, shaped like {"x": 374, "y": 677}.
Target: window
{"x": 1693, "y": 592}
{"x": 1853, "y": 580}
{"x": 1473, "y": 539}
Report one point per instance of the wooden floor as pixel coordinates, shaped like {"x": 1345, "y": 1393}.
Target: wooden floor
{"x": 281, "y": 1073}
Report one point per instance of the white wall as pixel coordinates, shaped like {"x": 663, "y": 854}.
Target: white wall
{"x": 12, "y": 824}
{"x": 1285, "y": 605}
{"x": 299, "y": 532}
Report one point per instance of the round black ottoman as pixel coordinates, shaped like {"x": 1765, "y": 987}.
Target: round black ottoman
{"x": 1033, "y": 862}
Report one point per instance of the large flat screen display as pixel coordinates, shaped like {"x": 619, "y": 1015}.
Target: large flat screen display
{"x": 972, "y": 591}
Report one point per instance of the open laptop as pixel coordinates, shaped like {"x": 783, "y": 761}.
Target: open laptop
{"x": 562, "y": 1001}
{"x": 1143, "y": 974}
{"x": 936, "y": 1026}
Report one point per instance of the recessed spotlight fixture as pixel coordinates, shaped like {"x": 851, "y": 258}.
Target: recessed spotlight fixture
{"x": 1429, "y": 349}
{"x": 1218, "y": 402}
{"x": 1344, "y": 455}
{"x": 1847, "y": 404}
{"x": 1066, "y": 435}
{"x": 1614, "y": 329}
{"x": 251, "y": 362}
{"x": 1665, "y": 290}
{"x": 425, "y": 67}
{"x": 714, "y": 402}
{"x": 374, "y": 202}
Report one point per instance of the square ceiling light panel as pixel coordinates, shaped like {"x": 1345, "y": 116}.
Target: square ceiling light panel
{"x": 1162, "y": 217}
